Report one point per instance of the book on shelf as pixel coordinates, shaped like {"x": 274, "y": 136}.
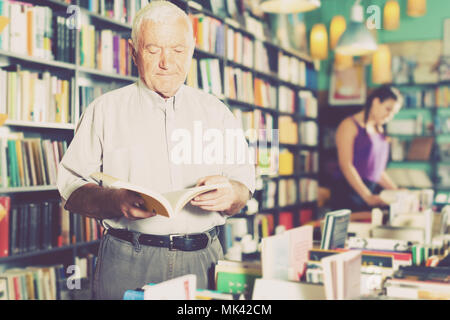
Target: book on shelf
{"x": 287, "y": 192}
{"x": 166, "y": 204}
{"x": 209, "y": 33}
{"x": 342, "y": 275}
{"x": 287, "y": 130}
{"x": 284, "y": 256}
{"x": 286, "y": 220}
{"x": 105, "y": 50}
{"x": 26, "y": 162}
{"x": 119, "y": 10}
{"x": 443, "y": 96}
{"x": 238, "y": 84}
{"x": 263, "y": 226}
{"x": 306, "y": 161}
{"x": 308, "y": 189}
{"x": 5, "y": 205}
{"x": 309, "y": 133}
{"x": 192, "y": 79}
{"x": 262, "y": 61}
{"x": 266, "y": 196}
{"x": 239, "y": 48}
{"x": 34, "y": 283}
{"x": 286, "y": 99}
{"x": 210, "y": 76}
{"x": 286, "y": 162}
{"x": 335, "y": 229}
{"x": 307, "y": 104}
{"x": 33, "y": 96}
{"x": 45, "y": 225}
{"x": 265, "y": 94}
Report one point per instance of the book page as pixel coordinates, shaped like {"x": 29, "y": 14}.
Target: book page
{"x": 300, "y": 242}
{"x": 178, "y": 199}
{"x": 154, "y": 202}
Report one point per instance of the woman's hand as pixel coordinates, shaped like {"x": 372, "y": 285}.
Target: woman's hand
{"x": 375, "y": 200}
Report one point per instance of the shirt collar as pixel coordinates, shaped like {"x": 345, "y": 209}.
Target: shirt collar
{"x": 157, "y": 100}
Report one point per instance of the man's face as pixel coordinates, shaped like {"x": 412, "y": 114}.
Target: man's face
{"x": 164, "y": 55}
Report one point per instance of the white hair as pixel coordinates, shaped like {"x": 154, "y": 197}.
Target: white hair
{"x": 159, "y": 11}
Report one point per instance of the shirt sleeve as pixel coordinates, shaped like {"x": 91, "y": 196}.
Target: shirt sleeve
{"x": 239, "y": 161}
{"x": 84, "y": 154}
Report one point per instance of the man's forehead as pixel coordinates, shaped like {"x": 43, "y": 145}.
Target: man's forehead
{"x": 172, "y": 30}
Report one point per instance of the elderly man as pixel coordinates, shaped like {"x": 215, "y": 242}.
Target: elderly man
{"x": 130, "y": 133}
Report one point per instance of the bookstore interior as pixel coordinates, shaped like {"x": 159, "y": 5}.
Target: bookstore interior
{"x": 342, "y": 103}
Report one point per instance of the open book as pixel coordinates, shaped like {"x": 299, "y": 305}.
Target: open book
{"x": 166, "y": 204}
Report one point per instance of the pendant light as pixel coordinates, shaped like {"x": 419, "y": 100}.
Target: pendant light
{"x": 391, "y": 15}
{"x": 342, "y": 62}
{"x": 289, "y": 6}
{"x": 357, "y": 39}
{"x": 381, "y": 65}
{"x": 319, "y": 42}
{"x": 337, "y": 28}
{"x": 416, "y": 8}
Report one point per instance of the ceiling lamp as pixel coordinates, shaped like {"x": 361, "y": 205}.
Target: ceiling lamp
{"x": 416, "y": 8}
{"x": 319, "y": 42}
{"x": 342, "y": 62}
{"x": 391, "y": 15}
{"x": 289, "y": 6}
{"x": 357, "y": 39}
{"x": 381, "y": 65}
{"x": 337, "y": 28}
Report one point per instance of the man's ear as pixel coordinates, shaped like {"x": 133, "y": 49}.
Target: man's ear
{"x": 133, "y": 51}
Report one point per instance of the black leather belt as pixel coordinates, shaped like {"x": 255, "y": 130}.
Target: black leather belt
{"x": 186, "y": 242}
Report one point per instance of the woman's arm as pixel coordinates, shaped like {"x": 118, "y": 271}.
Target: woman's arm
{"x": 345, "y": 137}
{"x": 386, "y": 182}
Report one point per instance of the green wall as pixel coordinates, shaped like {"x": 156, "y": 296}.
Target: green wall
{"x": 427, "y": 27}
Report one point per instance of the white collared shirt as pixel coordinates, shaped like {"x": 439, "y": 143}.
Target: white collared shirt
{"x": 131, "y": 134}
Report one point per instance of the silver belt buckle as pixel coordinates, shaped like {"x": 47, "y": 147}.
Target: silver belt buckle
{"x": 171, "y": 236}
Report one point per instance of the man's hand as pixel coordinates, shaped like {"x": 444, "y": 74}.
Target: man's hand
{"x": 229, "y": 200}
{"x": 130, "y": 205}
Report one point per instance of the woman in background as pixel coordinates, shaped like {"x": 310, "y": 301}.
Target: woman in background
{"x": 363, "y": 153}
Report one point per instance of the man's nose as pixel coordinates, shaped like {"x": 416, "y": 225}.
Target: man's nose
{"x": 165, "y": 58}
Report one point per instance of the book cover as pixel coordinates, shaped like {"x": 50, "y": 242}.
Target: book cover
{"x": 5, "y": 204}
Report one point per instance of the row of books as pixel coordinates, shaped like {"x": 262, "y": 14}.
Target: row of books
{"x": 46, "y": 282}
{"x": 209, "y": 34}
{"x": 238, "y": 85}
{"x": 32, "y": 226}
{"x": 292, "y": 69}
{"x": 287, "y": 192}
{"x": 33, "y": 96}
{"x": 286, "y": 99}
{"x": 309, "y": 133}
{"x": 303, "y": 161}
{"x": 257, "y": 125}
{"x": 239, "y": 48}
{"x": 419, "y": 98}
{"x": 27, "y": 162}
{"x": 36, "y": 31}
{"x": 308, "y": 189}
{"x": 33, "y": 283}
{"x": 307, "y": 104}
{"x": 105, "y": 50}
{"x": 205, "y": 74}
{"x": 266, "y": 195}
{"x": 120, "y": 10}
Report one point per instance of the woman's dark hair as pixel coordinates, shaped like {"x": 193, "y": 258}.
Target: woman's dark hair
{"x": 383, "y": 93}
